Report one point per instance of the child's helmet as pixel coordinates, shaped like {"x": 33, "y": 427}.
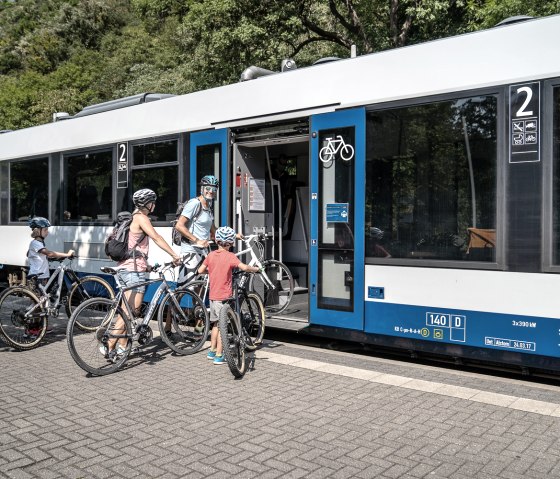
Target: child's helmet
{"x": 225, "y": 234}
{"x": 209, "y": 180}
{"x": 39, "y": 222}
{"x": 143, "y": 197}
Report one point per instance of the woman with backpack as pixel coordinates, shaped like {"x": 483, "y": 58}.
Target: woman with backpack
{"x": 136, "y": 265}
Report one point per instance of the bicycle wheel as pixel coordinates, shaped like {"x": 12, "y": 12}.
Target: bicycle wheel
{"x": 232, "y": 341}
{"x": 90, "y": 328}
{"x": 276, "y": 298}
{"x": 86, "y": 288}
{"x": 23, "y": 321}
{"x": 184, "y": 328}
{"x": 252, "y": 314}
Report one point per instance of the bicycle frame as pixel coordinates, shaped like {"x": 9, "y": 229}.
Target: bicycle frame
{"x": 154, "y": 303}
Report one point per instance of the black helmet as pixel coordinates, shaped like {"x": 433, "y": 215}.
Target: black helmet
{"x": 39, "y": 222}
{"x": 143, "y": 197}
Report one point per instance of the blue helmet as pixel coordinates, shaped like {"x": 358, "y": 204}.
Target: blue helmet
{"x": 225, "y": 234}
{"x": 209, "y": 180}
{"x": 39, "y": 222}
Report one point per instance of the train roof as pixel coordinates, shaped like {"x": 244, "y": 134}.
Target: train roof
{"x": 501, "y": 55}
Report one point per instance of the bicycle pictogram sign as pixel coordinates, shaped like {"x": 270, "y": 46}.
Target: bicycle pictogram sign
{"x": 328, "y": 152}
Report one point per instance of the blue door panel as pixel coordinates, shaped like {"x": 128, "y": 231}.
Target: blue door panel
{"x": 211, "y": 137}
{"x": 326, "y": 214}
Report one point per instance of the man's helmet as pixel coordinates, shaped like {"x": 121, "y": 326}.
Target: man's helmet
{"x": 376, "y": 233}
{"x": 225, "y": 234}
{"x": 210, "y": 180}
{"x": 39, "y": 222}
{"x": 143, "y": 197}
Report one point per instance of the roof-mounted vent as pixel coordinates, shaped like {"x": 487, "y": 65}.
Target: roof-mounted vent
{"x": 254, "y": 72}
{"x": 287, "y": 65}
{"x": 60, "y": 115}
{"x": 515, "y": 19}
{"x": 325, "y": 60}
{"x": 122, "y": 103}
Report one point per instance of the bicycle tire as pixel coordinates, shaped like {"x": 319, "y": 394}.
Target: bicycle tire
{"x": 232, "y": 341}
{"x": 86, "y": 288}
{"x": 183, "y": 338}
{"x": 276, "y": 300}
{"x": 18, "y": 331}
{"x": 96, "y": 314}
{"x": 253, "y": 319}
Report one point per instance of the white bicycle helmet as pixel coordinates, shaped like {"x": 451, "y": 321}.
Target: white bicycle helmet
{"x": 143, "y": 197}
{"x": 225, "y": 234}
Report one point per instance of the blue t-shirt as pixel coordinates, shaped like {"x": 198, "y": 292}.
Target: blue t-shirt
{"x": 201, "y": 227}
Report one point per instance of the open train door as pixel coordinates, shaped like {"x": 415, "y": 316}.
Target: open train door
{"x": 337, "y": 219}
{"x": 209, "y": 154}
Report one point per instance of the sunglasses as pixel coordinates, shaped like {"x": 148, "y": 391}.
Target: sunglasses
{"x": 210, "y": 189}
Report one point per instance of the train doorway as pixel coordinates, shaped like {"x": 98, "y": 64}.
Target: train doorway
{"x": 271, "y": 196}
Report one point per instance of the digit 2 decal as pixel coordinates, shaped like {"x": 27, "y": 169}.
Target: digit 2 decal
{"x": 524, "y": 108}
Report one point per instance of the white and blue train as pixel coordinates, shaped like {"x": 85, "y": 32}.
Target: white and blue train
{"x": 414, "y": 193}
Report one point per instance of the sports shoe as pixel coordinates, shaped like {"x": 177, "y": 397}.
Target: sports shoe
{"x": 219, "y": 360}
{"x": 103, "y": 350}
{"x": 211, "y": 354}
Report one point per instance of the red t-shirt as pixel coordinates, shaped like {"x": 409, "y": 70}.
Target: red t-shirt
{"x": 220, "y": 264}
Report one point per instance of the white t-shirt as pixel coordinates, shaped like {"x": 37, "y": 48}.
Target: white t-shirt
{"x": 201, "y": 227}
{"x": 38, "y": 263}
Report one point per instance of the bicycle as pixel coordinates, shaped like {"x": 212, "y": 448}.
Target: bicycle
{"x": 24, "y": 310}
{"x": 328, "y": 152}
{"x": 274, "y": 283}
{"x": 89, "y": 348}
{"x": 241, "y": 324}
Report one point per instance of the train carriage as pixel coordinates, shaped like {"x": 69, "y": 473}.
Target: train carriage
{"x": 413, "y": 193}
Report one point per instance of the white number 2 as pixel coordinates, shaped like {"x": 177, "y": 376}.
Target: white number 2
{"x": 122, "y": 156}
{"x": 529, "y": 92}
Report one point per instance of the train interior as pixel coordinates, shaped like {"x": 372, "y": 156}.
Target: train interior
{"x": 271, "y": 195}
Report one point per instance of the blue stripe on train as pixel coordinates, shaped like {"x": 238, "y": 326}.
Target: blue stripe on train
{"x": 505, "y": 332}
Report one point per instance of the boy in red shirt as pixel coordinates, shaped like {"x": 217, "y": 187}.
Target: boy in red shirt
{"x": 220, "y": 265}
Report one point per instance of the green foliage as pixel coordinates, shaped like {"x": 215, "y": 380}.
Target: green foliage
{"x": 58, "y": 55}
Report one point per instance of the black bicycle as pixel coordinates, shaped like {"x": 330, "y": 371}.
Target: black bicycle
{"x": 25, "y": 310}
{"x": 241, "y": 324}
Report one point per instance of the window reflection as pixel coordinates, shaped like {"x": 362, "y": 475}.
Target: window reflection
{"x": 431, "y": 181}
{"x": 29, "y": 189}
{"x": 556, "y": 176}
{"x": 155, "y": 166}
{"x": 88, "y": 178}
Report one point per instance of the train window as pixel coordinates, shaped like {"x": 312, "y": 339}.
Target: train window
{"x": 156, "y": 166}
{"x": 556, "y": 177}
{"x": 152, "y": 153}
{"x": 29, "y": 189}
{"x": 431, "y": 188}
{"x": 88, "y": 181}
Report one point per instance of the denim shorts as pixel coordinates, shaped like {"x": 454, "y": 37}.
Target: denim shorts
{"x": 130, "y": 278}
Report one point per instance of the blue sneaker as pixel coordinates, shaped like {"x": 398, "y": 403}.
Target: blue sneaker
{"x": 219, "y": 360}
{"x": 211, "y": 355}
